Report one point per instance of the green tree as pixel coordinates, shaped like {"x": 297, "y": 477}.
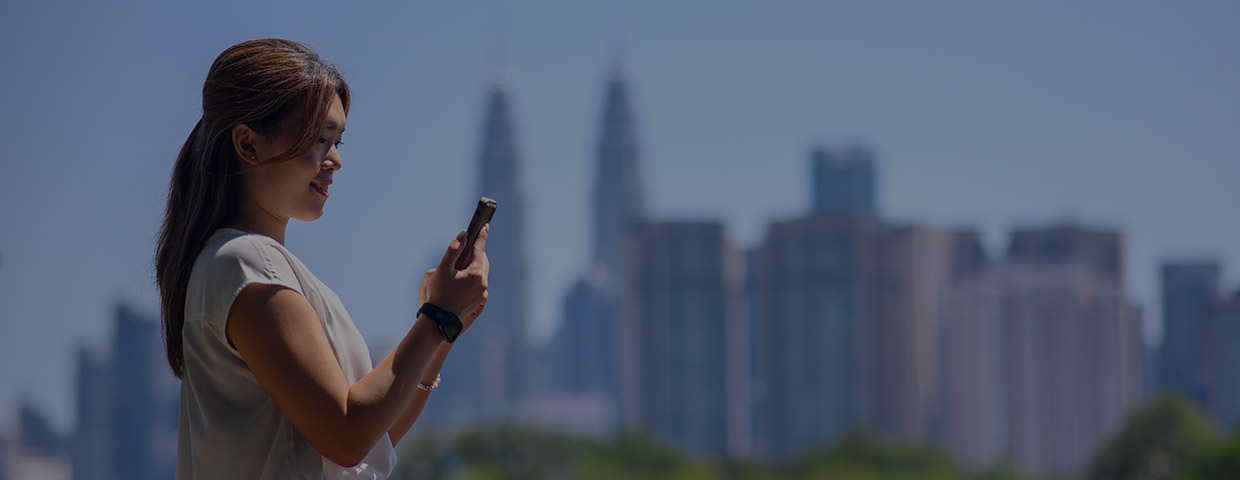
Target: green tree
{"x": 861, "y": 457}
{"x": 492, "y": 453}
{"x": 999, "y": 471}
{"x": 1157, "y": 442}
{"x": 632, "y": 456}
{"x": 1220, "y": 461}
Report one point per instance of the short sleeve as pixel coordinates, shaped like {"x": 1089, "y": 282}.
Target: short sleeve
{"x": 236, "y": 264}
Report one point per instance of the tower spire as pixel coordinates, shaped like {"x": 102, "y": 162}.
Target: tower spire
{"x": 618, "y": 189}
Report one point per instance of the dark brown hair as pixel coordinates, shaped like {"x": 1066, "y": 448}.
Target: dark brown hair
{"x": 256, "y": 83}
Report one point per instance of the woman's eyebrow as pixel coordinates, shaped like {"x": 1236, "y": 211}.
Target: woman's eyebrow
{"x": 331, "y": 126}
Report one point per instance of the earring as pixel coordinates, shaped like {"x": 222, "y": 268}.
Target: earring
{"x": 253, "y": 157}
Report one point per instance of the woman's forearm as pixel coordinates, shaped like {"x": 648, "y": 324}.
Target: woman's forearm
{"x": 414, "y": 409}
{"x": 379, "y": 400}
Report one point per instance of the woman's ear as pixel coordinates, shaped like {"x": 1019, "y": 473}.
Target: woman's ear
{"x": 243, "y": 139}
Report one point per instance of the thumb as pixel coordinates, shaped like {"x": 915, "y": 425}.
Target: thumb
{"x": 454, "y": 251}
{"x": 480, "y": 245}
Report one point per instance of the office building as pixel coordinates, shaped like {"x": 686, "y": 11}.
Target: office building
{"x": 681, "y": 358}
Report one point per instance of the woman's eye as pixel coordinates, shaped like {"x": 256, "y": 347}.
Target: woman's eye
{"x": 338, "y": 144}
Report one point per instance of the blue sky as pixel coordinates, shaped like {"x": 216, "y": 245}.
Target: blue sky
{"x": 1121, "y": 114}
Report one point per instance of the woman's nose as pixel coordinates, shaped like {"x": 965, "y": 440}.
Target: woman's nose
{"x": 332, "y": 162}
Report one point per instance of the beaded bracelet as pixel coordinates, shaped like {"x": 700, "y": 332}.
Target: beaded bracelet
{"x": 430, "y": 387}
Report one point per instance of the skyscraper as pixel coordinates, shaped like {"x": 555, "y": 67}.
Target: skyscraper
{"x": 586, "y": 357}
{"x": 823, "y": 338}
{"x": 813, "y": 292}
{"x": 681, "y": 361}
{"x": 489, "y": 370}
{"x": 135, "y": 355}
{"x": 92, "y": 457}
{"x": 37, "y": 433}
{"x": 975, "y": 406}
{"x": 1044, "y": 360}
{"x": 816, "y": 280}
{"x": 618, "y": 195}
{"x": 1189, "y": 292}
{"x": 844, "y": 181}
{"x": 126, "y": 407}
{"x": 585, "y": 351}
{"x": 902, "y": 394}
{"x": 1099, "y": 250}
{"x": 1223, "y": 356}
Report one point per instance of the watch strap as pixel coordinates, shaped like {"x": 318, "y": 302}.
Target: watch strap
{"x": 441, "y": 317}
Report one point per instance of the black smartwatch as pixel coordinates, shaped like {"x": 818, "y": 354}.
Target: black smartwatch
{"x": 449, "y": 323}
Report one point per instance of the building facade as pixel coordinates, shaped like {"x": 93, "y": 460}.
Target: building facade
{"x": 679, "y": 359}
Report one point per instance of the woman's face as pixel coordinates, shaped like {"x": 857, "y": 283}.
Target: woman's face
{"x": 298, "y": 187}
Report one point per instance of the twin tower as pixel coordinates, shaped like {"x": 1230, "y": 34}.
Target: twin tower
{"x": 494, "y": 374}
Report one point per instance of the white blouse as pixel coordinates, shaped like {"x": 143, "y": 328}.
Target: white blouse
{"x": 229, "y": 427}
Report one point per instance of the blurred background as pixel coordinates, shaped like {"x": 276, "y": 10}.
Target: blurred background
{"x": 747, "y": 240}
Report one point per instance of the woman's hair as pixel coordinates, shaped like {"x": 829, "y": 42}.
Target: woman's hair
{"x": 256, "y": 83}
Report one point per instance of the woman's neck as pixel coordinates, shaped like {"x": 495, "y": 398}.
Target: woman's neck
{"x": 252, "y": 218}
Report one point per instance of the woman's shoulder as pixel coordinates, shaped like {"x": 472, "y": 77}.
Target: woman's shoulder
{"x": 234, "y": 256}
{"x": 229, "y": 242}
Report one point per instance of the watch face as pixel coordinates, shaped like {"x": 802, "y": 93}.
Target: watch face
{"x": 452, "y": 327}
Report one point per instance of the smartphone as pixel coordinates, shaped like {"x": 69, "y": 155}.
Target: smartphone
{"x": 482, "y": 216}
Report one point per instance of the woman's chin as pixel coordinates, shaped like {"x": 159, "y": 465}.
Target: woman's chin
{"x": 310, "y": 216}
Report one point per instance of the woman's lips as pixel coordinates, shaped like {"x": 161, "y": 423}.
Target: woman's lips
{"x": 320, "y": 186}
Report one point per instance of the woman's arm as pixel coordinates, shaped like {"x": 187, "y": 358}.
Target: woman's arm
{"x": 414, "y": 409}
{"x": 411, "y": 413}
{"x": 280, "y": 338}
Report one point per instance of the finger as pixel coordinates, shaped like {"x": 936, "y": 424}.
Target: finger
{"x": 454, "y": 250}
{"x": 424, "y": 288}
{"x": 480, "y": 244}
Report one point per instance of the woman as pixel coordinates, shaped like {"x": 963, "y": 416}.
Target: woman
{"x": 276, "y": 382}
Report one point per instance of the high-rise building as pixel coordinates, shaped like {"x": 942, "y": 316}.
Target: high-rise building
{"x": 680, "y": 355}
{"x": 619, "y": 201}
{"x": 754, "y": 397}
{"x": 1223, "y": 362}
{"x": 1043, "y": 360}
{"x": 37, "y": 433}
{"x": 584, "y": 353}
{"x": 126, "y": 406}
{"x": 975, "y": 408}
{"x": 585, "y": 346}
{"x": 135, "y": 356}
{"x": 814, "y": 292}
{"x": 844, "y": 181}
{"x": 902, "y": 377}
{"x": 1189, "y": 293}
{"x": 816, "y": 280}
{"x": 490, "y": 367}
{"x": 92, "y": 456}
{"x": 1099, "y": 250}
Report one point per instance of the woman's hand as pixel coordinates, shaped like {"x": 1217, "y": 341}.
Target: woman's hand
{"x": 422, "y": 298}
{"x": 461, "y": 291}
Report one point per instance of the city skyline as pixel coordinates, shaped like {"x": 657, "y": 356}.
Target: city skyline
{"x": 1139, "y": 140}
